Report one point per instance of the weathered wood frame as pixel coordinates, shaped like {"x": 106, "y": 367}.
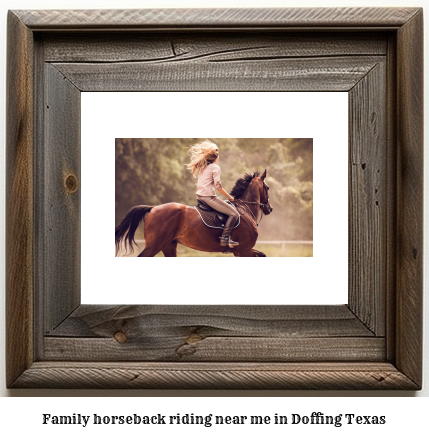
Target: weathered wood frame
{"x": 374, "y": 342}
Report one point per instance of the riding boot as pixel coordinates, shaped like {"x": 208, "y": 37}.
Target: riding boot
{"x": 225, "y": 239}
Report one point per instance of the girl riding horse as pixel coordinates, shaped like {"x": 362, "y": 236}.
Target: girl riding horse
{"x": 204, "y": 165}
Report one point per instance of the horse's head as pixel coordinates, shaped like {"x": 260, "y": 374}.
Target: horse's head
{"x": 253, "y": 190}
{"x": 263, "y": 195}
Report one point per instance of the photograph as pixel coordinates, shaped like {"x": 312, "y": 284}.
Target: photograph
{"x": 189, "y": 197}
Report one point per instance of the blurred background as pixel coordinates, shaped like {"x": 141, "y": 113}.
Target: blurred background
{"x": 152, "y": 171}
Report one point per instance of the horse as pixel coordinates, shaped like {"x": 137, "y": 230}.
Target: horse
{"x": 170, "y": 224}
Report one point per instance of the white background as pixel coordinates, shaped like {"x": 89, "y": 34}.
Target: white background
{"x": 405, "y": 414}
{"x": 110, "y": 280}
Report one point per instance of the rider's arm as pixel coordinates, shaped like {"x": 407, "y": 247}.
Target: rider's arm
{"x": 222, "y": 191}
{"x": 217, "y": 183}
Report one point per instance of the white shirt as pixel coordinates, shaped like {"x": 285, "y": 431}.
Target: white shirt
{"x": 208, "y": 179}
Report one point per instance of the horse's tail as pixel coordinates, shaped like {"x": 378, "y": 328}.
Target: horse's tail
{"x": 127, "y": 229}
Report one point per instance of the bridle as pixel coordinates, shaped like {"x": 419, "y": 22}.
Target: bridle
{"x": 261, "y": 205}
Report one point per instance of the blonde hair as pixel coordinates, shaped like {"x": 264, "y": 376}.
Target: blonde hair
{"x": 202, "y": 154}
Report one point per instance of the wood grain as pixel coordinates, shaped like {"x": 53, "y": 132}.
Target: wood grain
{"x": 368, "y": 202}
{"x": 290, "y": 18}
{"x": 325, "y": 74}
{"x": 391, "y": 190}
{"x": 409, "y": 279}
{"x": 213, "y": 333}
{"x": 99, "y": 321}
{"x": 61, "y": 186}
{"x": 193, "y": 348}
{"x": 215, "y": 376}
{"x": 19, "y": 200}
{"x": 168, "y": 47}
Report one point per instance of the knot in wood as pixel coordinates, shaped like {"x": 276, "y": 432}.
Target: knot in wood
{"x": 193, "y": 338}
{"x": 120, "y": 337}
{"x": 70, "y": 183}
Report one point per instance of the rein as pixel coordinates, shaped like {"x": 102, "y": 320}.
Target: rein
{"x": 250, "y": 202}
{"x": 261, "y": 205}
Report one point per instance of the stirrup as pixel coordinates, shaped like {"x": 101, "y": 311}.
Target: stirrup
{"x": 228, "y": 242}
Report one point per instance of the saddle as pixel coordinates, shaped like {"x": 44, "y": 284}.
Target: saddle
{"x": 212, "y": 217}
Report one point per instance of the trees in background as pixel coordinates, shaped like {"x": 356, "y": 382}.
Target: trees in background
{"x": 152, "y": 171}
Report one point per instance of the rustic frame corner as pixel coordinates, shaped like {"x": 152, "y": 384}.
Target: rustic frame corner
{"x": 373, "y": 342}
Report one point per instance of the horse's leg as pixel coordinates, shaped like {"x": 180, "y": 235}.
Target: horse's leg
{"x": 155, "y": 242}
{"x": 170, "y": 250}
{"x": 154, "y": 247}
{"x": 160, "y": 228}
{"x": 257, "y": 253}
{"x": 150, "y": 252}
{"x": 242, "y": 252}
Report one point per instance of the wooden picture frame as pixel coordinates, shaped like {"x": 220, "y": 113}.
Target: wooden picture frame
{"x": 373, "y": 342}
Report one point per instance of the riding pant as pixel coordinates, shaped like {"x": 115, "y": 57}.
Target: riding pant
{"x": 219, "y": 205}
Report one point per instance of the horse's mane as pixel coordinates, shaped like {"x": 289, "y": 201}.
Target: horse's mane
{"x": 242, "y": 184}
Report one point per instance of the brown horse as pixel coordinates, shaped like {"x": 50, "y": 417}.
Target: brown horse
{"x": 170, "y": 224}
